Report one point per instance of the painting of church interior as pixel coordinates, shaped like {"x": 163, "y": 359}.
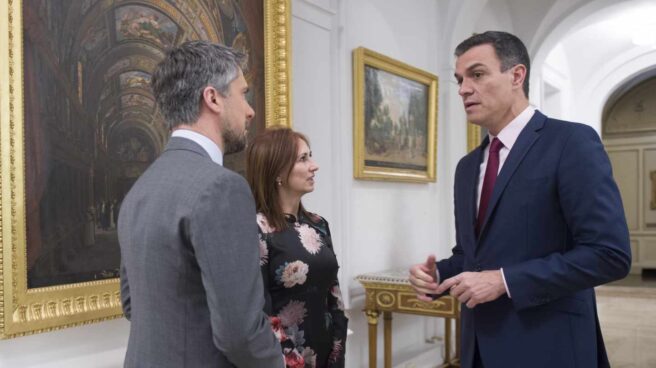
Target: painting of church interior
{"x": 91, "y": 124}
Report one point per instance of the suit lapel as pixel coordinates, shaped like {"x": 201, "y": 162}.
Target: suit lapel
{"x": 470, "y": 175}
{"x": 525, "y": 141}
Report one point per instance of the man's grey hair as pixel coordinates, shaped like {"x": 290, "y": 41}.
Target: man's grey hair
{"x": 179, "y": 79}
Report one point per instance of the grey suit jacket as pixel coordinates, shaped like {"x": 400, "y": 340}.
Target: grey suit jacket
{"x": 190, "y": 276}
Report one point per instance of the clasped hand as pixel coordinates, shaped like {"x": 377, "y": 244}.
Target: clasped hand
{"x": 471, "y": 288}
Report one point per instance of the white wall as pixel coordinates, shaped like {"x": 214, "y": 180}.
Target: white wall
{"x": 393, "y": 224}
{"x": 375, "y": 225}
{"x": 555, "y": 84}
{"x": 100, "y": 345}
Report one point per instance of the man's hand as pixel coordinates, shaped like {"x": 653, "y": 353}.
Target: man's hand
{"x": 423, "y": 278}
{"x": 473, "y": 288}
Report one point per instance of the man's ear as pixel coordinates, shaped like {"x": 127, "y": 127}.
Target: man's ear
{"x": 212, "y": 99}
{"x": 518, "y": 75}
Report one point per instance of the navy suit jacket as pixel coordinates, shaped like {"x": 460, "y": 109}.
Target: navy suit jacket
{"x": 556, "y": 225}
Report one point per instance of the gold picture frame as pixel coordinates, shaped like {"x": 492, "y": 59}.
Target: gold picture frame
{"x": 473, "y": 136}
{"x": 24, "y": 310}
{"x": 278, "y": 62}
{"x": 394, "y": 120}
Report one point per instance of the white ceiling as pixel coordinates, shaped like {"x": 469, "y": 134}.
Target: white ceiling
{"x": 606, "y": 37}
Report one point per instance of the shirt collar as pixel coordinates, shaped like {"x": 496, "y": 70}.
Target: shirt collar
{"x": 208, "y": 145}
{"x": 509, "y": 134}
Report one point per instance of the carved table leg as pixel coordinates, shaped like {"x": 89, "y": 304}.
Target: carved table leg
{"x": 372, "y": 318}
{"x": 457, "y": 338}
{"x": 387, "y": 329}
{"x": 447, "y": 340}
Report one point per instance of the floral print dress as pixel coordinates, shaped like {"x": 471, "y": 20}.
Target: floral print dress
{"x": 303, "y": 298}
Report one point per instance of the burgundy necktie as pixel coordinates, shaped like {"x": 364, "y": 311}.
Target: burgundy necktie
{"x": 491, "y": 171}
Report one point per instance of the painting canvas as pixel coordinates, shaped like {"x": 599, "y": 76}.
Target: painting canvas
{"x": 395, "y": 119}
{"x": 396, "y": 124}
{"x": 135, "y": 79}
{"x": 83, "y": 126}
{"x": 82, "y": 157}
{"x": 137, "y": 22}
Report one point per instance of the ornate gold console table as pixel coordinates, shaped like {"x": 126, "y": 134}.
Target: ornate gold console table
{"x": 390, "y": 291}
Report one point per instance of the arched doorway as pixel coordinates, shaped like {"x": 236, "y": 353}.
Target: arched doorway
{"x": 629, "y": 134}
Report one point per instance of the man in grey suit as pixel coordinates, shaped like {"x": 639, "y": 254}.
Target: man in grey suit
{"x": 190, "y": 276}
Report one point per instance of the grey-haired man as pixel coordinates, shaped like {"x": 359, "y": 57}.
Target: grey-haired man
{"x": 190, "y": 277}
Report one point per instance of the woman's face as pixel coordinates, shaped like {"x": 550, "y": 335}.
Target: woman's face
{"x": 301, "y": 178}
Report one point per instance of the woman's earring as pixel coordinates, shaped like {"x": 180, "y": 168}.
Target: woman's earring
{"x": 279, "y": 182}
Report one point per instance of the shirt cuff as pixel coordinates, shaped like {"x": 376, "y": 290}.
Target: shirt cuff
{"x": 505, "y": 284}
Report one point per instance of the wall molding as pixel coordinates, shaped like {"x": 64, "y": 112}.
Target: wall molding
{"x": 314, "y": 13}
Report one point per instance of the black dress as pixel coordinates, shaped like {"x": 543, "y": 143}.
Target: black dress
{"x": 303, "y": 298}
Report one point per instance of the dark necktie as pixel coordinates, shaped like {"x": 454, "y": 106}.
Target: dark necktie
{"x": 490, "y": 178}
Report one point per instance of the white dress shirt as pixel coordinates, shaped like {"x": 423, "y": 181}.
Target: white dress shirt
{"x": 208, "y": 145}
{"x": 508, "y": 136}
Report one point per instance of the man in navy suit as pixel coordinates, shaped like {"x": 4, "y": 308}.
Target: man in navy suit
{"x": 539, "y": 223}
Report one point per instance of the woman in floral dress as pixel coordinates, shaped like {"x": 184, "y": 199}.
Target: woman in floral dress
{"x": 298, "y": 263}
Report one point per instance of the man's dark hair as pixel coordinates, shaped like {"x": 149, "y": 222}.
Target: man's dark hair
{"x": 509, "y": 49}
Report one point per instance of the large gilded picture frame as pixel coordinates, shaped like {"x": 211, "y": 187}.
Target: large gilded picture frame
{"x": 109, "y": 110}
{"x": 394, "y": 119}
